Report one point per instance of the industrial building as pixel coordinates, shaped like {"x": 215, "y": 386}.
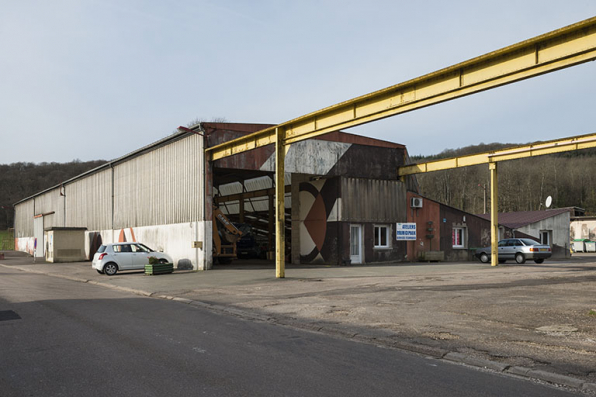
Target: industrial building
{"x": 343, "y": 204}
{"x": 343, "y": 199}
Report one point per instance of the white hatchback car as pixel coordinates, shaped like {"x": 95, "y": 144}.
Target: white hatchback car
{"x": 110, "y": 258}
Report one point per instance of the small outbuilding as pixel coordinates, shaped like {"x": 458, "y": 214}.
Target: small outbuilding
{"x": 447, "y": 233}
{"x": 550, "y": 227}
{"x": 65, "y": 244}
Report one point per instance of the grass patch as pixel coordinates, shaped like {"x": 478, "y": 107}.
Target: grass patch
{"x": 592, "y": 312}
{"x": 6, "y": 240}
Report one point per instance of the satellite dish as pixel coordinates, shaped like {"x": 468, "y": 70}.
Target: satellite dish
{"x": 549, "y": 201}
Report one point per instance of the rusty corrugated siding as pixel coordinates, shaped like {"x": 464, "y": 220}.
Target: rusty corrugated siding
{"x": 371, "y": 200}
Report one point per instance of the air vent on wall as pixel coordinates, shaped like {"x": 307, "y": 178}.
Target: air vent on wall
{"x": 416, "y": 202}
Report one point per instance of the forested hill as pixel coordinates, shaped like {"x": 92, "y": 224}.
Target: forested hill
{"x": 21, "y": 180}
{"x": 524, "y": 185}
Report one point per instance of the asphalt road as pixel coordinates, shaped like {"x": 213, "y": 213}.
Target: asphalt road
{"x": 65, "y": 338}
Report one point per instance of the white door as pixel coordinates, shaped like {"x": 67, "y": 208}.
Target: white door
{"x": 356, "y": 243}
{"x": 38, "y": 235}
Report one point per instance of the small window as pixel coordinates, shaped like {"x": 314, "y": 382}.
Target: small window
{"x": 545, "y": 237}
{"x": 458, "y": 236}
{"x": 381, "y": 237}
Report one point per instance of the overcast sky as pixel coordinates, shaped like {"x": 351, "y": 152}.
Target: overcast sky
{"x": 96, "y": 79}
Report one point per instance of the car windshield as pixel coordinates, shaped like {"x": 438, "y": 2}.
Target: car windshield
{"x": 528, "y": 241}
{"x": 144, "y": 248}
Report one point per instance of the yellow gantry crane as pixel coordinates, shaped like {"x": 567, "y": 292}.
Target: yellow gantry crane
{"x": 562, "y": 48}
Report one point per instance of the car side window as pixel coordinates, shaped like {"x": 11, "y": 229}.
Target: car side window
{"x": 502, "y": 243}
{"x": 138, "y": 248}
{"x": 125, "y": 248}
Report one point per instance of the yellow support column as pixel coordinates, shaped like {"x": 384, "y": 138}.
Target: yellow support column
{"x": 280, "y": 208}
{"x": 494, "y": 215}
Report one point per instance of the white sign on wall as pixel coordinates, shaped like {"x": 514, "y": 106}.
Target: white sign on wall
{"x": 406, "y": 231}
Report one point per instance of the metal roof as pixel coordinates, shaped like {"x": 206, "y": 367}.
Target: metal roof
{"x": 164, "y": 141}
{"x": 515, "y": 220}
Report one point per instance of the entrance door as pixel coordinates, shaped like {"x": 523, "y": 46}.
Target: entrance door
{"x": 356, "y": 243}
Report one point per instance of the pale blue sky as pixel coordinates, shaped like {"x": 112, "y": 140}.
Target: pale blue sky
{"x": 100, "y": 78}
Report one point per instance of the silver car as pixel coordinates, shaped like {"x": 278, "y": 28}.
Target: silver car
{"x": 519, "y": 249}
{"x": 110, "y": 258}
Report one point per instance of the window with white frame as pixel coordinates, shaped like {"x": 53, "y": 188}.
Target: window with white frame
{"x": 458, "y": 236}
{"x": 381, "y": 236}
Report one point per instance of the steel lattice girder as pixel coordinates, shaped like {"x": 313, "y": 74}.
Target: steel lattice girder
{"x": 547, "y": 53}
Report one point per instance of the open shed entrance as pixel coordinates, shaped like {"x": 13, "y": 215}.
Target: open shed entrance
{"x": 246, "y": 198}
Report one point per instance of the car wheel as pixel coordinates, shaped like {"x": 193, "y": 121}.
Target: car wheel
{"x": 163, "y": 261}
{"x": 110, "y": 269}
{"x": 520, "y": 258}
{"x": 539, "y": 260}
{"x": 99, "y": 271}
{"x": 484, "y": 258}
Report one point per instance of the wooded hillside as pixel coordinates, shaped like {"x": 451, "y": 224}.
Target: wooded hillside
{"x": 21, "y": 180}
{"x": 524, "y": 184}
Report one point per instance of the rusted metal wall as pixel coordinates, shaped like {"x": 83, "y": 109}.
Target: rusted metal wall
{"x": 362, "y": 161}
{"x": 162, "y": 186}
{"x": 372, "y": 200}
{"x": 477, "y": 233}
{"x": 217, "y": 133}
{"x": 430, "y": 212}
{"x": 89, "y": 201}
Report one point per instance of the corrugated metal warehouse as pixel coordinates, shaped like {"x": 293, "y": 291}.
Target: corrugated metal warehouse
{"x": 343, "y": 198}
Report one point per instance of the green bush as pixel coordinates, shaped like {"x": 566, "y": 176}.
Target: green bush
{"x": 6, "y": 240}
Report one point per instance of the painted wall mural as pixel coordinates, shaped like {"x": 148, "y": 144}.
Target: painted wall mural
{"x": 319, "y": 205}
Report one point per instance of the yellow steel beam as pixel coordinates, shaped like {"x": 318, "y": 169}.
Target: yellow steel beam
{"x": 549, "y": 147}
{"x": 280, "y": 208}
{"x": 552, "y": 51}
{"x": 248, "y": 195}
{"x": 494, "y": 215}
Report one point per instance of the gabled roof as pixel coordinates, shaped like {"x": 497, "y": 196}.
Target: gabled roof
{"x": 515, "y": 220}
